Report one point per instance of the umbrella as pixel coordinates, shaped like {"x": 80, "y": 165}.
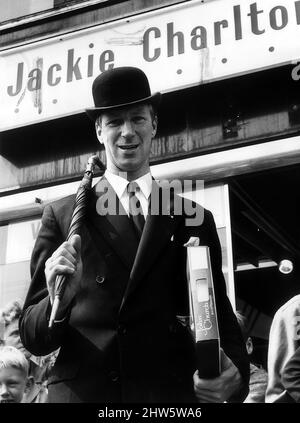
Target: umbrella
{"x": 78, "y": 216}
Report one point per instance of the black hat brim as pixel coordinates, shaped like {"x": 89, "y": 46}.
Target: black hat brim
{"x": 94, "y": 112}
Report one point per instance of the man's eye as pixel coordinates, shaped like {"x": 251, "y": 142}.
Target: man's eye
{"x": 139, "y": 119}
{"x": 113, "y": 123}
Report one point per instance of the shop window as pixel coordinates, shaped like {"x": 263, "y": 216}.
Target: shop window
{"x": 17, "y": 8}
{"x": 16, "y": 244}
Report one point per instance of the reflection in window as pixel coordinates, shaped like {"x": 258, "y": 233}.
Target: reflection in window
{"x": 13, "y": 9}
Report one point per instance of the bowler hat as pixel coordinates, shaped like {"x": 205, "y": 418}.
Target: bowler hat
{"x": 119, "y": 87}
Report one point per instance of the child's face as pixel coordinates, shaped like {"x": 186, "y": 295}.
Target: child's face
{"x": 12, "y": 385}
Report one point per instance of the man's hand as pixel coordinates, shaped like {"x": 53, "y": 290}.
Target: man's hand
{"x": 66, "y": 260}
{"x": 221, "y": 388}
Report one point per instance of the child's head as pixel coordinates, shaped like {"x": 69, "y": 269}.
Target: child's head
{"x": 11, "y": 311}
{"x": 9, "y": 316}
{"x": 14, "y": 379}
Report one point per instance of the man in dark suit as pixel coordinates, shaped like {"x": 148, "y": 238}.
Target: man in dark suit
{"x": 117, "y": 326}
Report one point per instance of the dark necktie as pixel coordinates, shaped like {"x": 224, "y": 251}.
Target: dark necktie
{"x": 135, "y": 210}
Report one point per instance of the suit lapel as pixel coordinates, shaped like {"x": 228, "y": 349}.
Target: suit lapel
{"x": 114, "y": 227}
{"x": 157, "y": 232}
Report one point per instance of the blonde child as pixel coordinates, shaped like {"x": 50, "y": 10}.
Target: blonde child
{"x": 14, "y": 379}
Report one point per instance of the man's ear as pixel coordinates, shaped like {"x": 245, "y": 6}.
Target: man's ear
{"x": 249, "y": 345}
{"x": 98, "y": 131}
{"x": 154, "y": 124}
{"x": 29, "y": 384}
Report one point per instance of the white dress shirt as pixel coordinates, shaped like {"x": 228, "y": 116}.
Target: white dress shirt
{"x": 119, "y": 184}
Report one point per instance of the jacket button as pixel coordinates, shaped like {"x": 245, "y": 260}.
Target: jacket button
{"x": 100, "y": 279}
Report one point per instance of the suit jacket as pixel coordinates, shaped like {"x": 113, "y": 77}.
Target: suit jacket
{"x": 122, "y": 340}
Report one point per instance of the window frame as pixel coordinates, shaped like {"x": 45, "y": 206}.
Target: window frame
{"x": 49, "y": 13}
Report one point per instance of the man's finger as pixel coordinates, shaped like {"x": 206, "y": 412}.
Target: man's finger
{"x": 62, "y": 270}
{"x": 225, "y": 360}
{"x": 61, "y": 261}
{"x": 209, "y": 399}
{"x": 208, "y": 389}
{"x": 206, "y": 384}
{"x": 63, "y": 252}
{"x": 75, "y": 241}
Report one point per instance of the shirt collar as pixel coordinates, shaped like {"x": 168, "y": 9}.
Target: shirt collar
{"x": 119, "y": 183}
{"x": 145, "y": 184}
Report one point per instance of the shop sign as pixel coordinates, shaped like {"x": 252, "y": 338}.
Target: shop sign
{"x": 178, "y": 46}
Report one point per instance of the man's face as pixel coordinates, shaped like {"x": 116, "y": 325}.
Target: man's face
{"x": 127, "y": 134}
{"x": 12, "y": 385}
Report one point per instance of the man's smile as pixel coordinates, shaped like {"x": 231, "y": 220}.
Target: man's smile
{"x": 128, "y": 146}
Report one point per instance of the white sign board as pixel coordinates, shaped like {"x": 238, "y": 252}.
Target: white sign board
{"x": 177, "y": 46}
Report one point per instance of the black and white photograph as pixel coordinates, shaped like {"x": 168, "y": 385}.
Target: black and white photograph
{"x": 150, "y": 207}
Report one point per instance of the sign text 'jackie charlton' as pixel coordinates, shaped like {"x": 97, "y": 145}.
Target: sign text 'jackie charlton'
{"x": 156, "y": 42}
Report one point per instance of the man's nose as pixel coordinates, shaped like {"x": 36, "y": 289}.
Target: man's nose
{"x": 127, "y": 129}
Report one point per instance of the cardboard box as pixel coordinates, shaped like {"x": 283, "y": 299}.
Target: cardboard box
{"x": 203, "y": 313}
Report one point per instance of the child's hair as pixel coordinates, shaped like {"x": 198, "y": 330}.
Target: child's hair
{"x": 12, "y": 357}
{"x": 11, "y": 311}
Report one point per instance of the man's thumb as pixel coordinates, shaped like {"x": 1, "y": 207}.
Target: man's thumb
{"x": 76, "y": 243}
{"x": 225, "y": 360}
